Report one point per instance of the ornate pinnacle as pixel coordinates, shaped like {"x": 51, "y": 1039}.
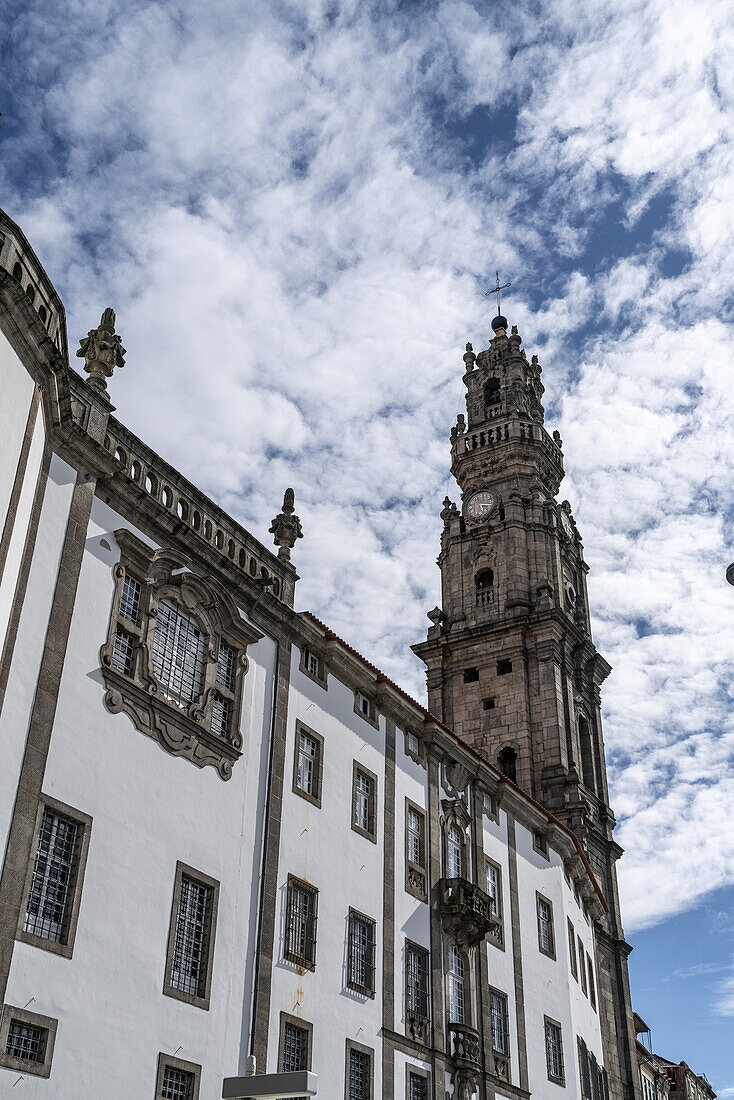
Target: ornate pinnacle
{"x": 286, "y": 527}
{"x": 102, "y": 351}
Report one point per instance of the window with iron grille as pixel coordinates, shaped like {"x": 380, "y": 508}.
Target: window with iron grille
{"x": 191, "y": 938}
{"x": 416, "y": 979}
{"x": 295, "y": 1048}
{"x": 417, "y": 1086}
{"x": 178, "y": 653}
{"x": 52, "y": 884}
{"x": 546, "y": 939}
{"x": 456, "y": 985}
{"x": 130, "y": 599}
{"x": 364, "y": 798}
{"x": 308, "y": 764}
{"x": 454, "y": 852}
{"x": 177, "y": 1084}
{"x": 25, "y": 1041}
{"x": 220, "y": 716}
{"x": 360, "y": 1074}
{"x": 225, "y": 666}
{"x": 499, "y": 1023}
{"x": 554, "y": 1050}
{"x": 361, "y": 953}
{"x": 122, "y": 651}
{"x": 300, "y": 921}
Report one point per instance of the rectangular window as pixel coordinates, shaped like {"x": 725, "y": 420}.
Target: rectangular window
{"x": 130, "y": 599}
{"x": 220, "y": 716}
{"x": 471, "y": 675}
{"x": 295, "y": 1048}
{"x": 546, "y": 937}
{"x": 178, "y": 653}
{"x": 225, "y": 666}
{"x": 592, "y": 986}
{"x": 416, "y": 980}
{"x": 364, "y": 802}
{"x": 301, "y": 915}
{"x": 500, "y": 1042}
{"x": 177, "y": 1079}
{"x": 311, "y": 662}
{"x": 417, "y": 1086}
{"x": 53, "y": 886}
{"x": 584, "y": 1069}
{"x": 359, "y": 1072}
{"x": 416, "y": 879}
{"x": 494, "y": 889}
{"x": 572, "y": 950}
{"x": 412, "y": 745}
{"x": 540, "y": 844}
{"x": 365, "y": 707}
{"x": 191, "y": 937}
{"x": 312, "y": 665}
{"x": 504, "y": 667}
{"x": 27, "y": 1041}
{"x": 554, "y": 1051}
{"x": 308, "y": 764}
{"x": 454, "y": 852}
{"x": 361, "y": 953}
{"x": 414, "y": 834}
{"x": 456, "y": 985}
{"x": 122, "y": 651}
{"x": 582, "y": 968}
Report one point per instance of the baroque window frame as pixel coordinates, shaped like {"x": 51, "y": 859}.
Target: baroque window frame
{"x": 183, "y": 730}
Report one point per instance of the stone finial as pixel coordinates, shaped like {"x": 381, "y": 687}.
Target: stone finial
{"x": 102, "y": 351}
{"x": 469, "y": 357}
{"x": 448, "y": 511}
{"x": 436, "y": 616}
{"x": 286, "y": 527}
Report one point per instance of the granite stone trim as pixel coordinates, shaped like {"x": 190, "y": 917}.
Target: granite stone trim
{"x": 84, "y": 823}
{"x": 388, "y": 911}
{"x": 47, "y": 1024}
{"x": 551, "y": 953}
{"x": 304, "y": 1025}
{"x": 21, "y": 583}
{"x": 371, "y": 831}
{"x": 40, "y": 726}
{"x": 416, "y": 874}
{"x": 177, "y": 1063}
{"x": 266, "y": 948}
{"x": 198, "y": 1000}
{"x": 18, "y": 480}
{"x": 412, "y": 1070}
{"x": 551, "y": 1077}
{"x": 522, "y": 1056}
{"x": 351, "y": 1045}
{"x": 314, "y": 797}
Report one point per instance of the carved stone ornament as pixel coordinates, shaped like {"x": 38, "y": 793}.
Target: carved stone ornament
{"x": 455, "y": 779}
{"x": 499, "y": 1066}
{"x": 102, "y": 351}
{"x": 184, "y": 728}
{"x": 417, "y": 1027}
{"x": 286, "y": 527}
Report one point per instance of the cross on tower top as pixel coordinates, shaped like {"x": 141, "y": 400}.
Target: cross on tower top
{"x": 497, "y": 289}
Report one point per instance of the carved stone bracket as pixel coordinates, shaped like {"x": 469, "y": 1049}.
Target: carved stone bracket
{"x": 417, "y": 1027}
{"x": 466, "y": 912}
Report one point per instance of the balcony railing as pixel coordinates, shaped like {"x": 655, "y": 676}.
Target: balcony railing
{"x": 464, "y": 1046}
{"x": 467, "y": 911}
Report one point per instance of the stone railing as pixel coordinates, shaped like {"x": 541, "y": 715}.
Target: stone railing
{"x": 505, "y": 430}
{"x": 203, "y": 519}
{"x": 464, "y": 1046}
{"x": 466, "y": 910}
{"x": 20, "y": 261}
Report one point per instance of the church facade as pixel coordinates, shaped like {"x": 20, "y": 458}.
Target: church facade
{"x": 226, "y": 833}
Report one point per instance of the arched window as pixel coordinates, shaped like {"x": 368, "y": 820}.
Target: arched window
{"x": 42, "y": 314}
{"x": 485, "y": 579}
{"x": 17, "y": 272}
{"x": 492, "y": 395}
{"x": 507, "y": 763}
{"x": 457, "y": 1000}
{"x": 454, "y": 852}
{"x": 30, "y": 294}
{"x": 587, "y": 756}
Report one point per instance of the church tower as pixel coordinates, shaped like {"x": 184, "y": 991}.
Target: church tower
{"x": 511, "y": 666}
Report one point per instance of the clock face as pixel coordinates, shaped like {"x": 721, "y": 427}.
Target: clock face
{"x": 480, "y": 505}
{"x": 567, "y": 525}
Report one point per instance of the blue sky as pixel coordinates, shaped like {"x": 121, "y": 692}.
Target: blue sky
{"x": 295, "y": 209}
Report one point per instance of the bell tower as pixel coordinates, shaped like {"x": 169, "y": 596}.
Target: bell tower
{"x": 511, "y": 666}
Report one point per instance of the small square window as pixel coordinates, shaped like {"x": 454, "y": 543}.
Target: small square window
{"x": 27, "y": 1041}
{"x": 471, "y": 675}
{"x": 488, "y": 704}
{"x": 365, "y": 708}
{"x": 364, "y": 802}
{"x": 504, "y": 666}
{"x": 177, "y": 1079}
{"x": 308, "y": 764}
{"x": 312, "y": 665}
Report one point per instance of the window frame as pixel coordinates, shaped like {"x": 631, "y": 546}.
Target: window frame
{"x": 465, "y": 993}
{"x": 582, "y": 966}
{"x": 411, "y": 1070}
{"x": 549, "y": 951}
{"x": 591, "y": 979}
{"x": 371, "y": 831}
{"x": 572, "y": 949}
{"x": 418, "y": 948}
{"x": 306, "y": 961}
{"x": 460, "y": 847}
{"x": 499, "y": 914}
{"x": 200, "y": 1000}
{"x": 313, "y": 797}
{"x": 416, "y": 874}
{"x": 180, "y": 1064}
{"x": 372, "y": 714}
{"x": 493, "y": 992}
{"x": 367, "y": 990}
{"x": 321, "y": 676}
{"x": 548, "y": 1021}
{"x": 540, "y": 844}
{"x": 304, "y": 1025}
{"x": 359, "y": 1048}
{"x": 48, "y": 1024}
{"x": 64, "y": 947}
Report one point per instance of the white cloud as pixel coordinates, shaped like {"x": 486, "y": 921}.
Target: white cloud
{"x": 277, "y": 202}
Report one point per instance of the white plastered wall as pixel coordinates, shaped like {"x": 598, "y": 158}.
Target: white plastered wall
{"x": 500, "y": 960}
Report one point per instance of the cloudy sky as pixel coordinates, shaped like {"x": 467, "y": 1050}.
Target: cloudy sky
{"x": 295, "y": 209}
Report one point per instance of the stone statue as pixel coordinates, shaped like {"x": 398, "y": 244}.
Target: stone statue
{"x": 102, "y": 351}
{"x": 286, "y": 527}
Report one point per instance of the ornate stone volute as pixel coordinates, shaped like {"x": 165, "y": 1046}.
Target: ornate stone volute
{"x": 286, "y": 527}
{"x": 102, "y": 351}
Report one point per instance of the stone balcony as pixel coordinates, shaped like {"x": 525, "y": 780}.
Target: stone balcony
{"x": 466, "y": 911}
{"x": 464, "y": 1047}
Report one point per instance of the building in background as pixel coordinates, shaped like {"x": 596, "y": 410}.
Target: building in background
{"x": 226, "y": 832}
{"x": 684, "y": 1083}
